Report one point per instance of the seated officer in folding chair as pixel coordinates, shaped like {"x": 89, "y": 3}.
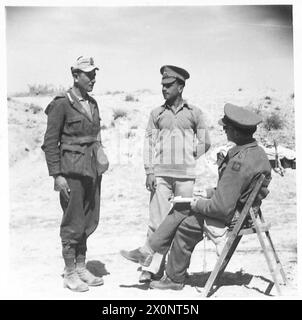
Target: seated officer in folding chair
{"x": 213, "y": 212}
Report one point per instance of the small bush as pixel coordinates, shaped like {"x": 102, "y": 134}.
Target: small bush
{"x": 117, "y": 92}
{"x": 104, "y": 127}
{"x": 292, "y": 95}
{"x": 35, "y": 108}
{"x": 119, "y": 113}
{"x": 129, "y": 134}
{"x": 239, "y": 89}
{"x": 113, "y": 93}
{"x": 273, "y": 121}
{"x": 41, "y": 89}
{"x": 267, "y": 98}
{"x": 129, "y": 97}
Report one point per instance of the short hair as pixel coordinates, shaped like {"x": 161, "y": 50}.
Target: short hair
{"x": 246, "y": 132}
{"x": 181, "y": 82}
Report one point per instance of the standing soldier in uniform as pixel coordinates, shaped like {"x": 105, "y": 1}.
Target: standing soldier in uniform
{"x": 176, "y": 136}
{"x": 237, "y": 174}
{"x": 76, "y": 160}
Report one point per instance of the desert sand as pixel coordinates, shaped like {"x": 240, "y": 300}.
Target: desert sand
{"x": 35, "y": 251}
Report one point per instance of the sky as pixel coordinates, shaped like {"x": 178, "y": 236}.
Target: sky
{"x": 222, "y": 47}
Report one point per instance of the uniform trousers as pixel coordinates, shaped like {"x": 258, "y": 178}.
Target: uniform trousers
{"x": 181, "y": 230}
{"x": 159, "y": 207}
{"x": 80, "y": 216}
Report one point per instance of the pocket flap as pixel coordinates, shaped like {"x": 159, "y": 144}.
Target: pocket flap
{"x": 73, "y": 148}
{"x": 75, "y": 119}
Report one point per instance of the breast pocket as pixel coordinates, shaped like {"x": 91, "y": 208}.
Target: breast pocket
{"x": 74, "y": 124}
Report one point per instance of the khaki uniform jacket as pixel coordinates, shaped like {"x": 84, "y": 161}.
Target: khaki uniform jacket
{"x": 237, "y": 172}
{"x": 72, "y": 141}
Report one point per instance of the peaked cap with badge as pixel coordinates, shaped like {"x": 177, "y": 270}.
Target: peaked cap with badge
{"x": 85, "y": 64}
{"x": 171, "y": 73}
{"x": 239, "y": 117}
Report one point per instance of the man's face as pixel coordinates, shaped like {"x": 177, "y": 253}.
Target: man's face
{"x": 229, "y": 131}
{"x": 85, "y": 80}
{"x": 171, "y": 90}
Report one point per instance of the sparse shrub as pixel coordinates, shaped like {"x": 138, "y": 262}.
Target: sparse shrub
{"x": 267, "y": 98}
{"x": 119, "y": 113}
{"x": 292, "y": 95}
{"x": 104, "y": 127}
{"x": 117, "y": 92}
{"x": 113, "y": 92}
{"x": 35, "y": 108}
{"x": 273, "y": 121}
{"x": 129, "y": 134}
{"x": 239, "y": 89}
{"x": 39, "y": 89}
{"x": 129, "y": 97}
{"x": 134, "y": 126}
{"x": 8, "y": 98}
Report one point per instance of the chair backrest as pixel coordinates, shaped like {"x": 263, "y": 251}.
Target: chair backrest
{"x": 257, "y": 194}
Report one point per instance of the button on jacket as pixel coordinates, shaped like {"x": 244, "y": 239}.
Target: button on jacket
{"x": 170, "y": 141}
{"x": 241, "y": 166}
{"x": 72, "y": 137}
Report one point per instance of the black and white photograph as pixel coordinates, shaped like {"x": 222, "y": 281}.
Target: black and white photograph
{"x": 150, "y": 150}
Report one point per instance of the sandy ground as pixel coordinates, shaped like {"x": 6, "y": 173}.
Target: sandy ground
{"x": 35, "y": 251}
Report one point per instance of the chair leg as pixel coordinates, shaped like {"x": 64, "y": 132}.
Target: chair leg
{"x": 221, "y": 263}
{"x": 278, "y": 262}
{"x": 270, "y": 241}
{"x": 261, "y": 240}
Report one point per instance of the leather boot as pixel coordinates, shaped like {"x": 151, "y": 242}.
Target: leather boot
{"x": 73, "y": 282}
{"x": 87, "y": 277}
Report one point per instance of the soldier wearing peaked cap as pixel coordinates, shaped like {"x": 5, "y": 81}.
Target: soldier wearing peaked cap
{"x": 176, "y": 136}
{"x": 213, "y": 212}
{"x": 76, "y": 160}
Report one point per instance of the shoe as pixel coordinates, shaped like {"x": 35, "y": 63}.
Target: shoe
{"x": 90, "y": 279}
{"x": 145, "y": 276}
{"x": 73, "y": 282}
{"x": 137, "y": 256}
{"x": 166, "y": 283}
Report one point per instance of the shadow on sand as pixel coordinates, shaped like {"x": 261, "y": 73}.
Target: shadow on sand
{"x": 97, "y": 268}
{"x": 239, "y": 278}
{"x": 198, "y": 280}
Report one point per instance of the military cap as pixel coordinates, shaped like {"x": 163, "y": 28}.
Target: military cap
{"x": 239, "y": 117}
{"x": 85, "y": 64}
{"x": 171, "y": 73}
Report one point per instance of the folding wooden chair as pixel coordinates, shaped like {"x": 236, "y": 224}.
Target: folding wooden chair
{"x": 241, "y": 228}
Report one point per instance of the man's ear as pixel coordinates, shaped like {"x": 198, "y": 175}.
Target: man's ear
{"x": 75, "y": 76}
{"x": 180, "y": 88}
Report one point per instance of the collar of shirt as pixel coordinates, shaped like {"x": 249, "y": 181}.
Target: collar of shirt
{"x": 182, "y": 105}
{"x": 233, "y": 151}
{"x": 80, "y": 98}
